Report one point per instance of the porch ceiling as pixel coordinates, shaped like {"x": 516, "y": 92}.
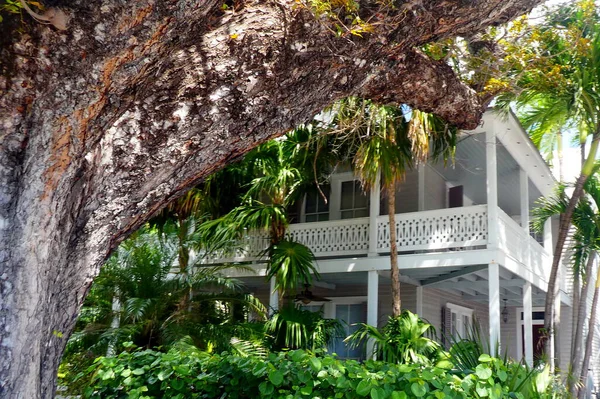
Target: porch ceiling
{"x": 469, "y": 170}
{"x": 473, "y": 285}
{"x": 470, "y": 282}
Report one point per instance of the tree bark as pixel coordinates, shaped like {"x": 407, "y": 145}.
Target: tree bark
{"x": 590, "y": 337}
{"x": 395, "y": 272}
{"x": 581, "y": 315}
{"x": 106, "y": 122}
{"x": 552, "y": 317}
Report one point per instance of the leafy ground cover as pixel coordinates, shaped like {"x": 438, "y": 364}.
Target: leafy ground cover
{"x": 299, "y": 374}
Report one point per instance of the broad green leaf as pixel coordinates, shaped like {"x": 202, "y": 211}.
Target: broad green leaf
{"x": 276, "y": 377}
{"x": 377, "y": 393}
{"x": 482, "y": 391}
{"x": 485, "y": 358}
{"x": 399, "y": 395}
{"x": 418, "y": 390}
{"x": 502, "y": 375}
{"x": 483, "y": 372}
{"x": 307, "y": 390}
{"x": 266, "y": 388}
{"x": 315, "y": 363}
{"x": 363, "y": 388}
{"x": 177, "y": 384}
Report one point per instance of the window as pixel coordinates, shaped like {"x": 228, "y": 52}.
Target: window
{"x": 350, "y": 316}
{"x": 316, "y": 209}
{"x": 354, "y": 201}
{"x": 461, "y": 320}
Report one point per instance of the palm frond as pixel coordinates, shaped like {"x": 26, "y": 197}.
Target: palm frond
{"x": 292, "y": 265}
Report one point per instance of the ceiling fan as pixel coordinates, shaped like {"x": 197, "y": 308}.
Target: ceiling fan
{"x": 306, "y": 296}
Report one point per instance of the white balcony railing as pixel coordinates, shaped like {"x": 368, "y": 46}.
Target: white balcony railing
{"x": 438, "y": 229}
{"x": 333, "y": 238}
{"x": 464, "y": 228}
{"x": 517, "y": 243}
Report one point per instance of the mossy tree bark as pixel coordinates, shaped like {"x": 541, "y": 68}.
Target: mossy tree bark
{"x": 106, "y": 122}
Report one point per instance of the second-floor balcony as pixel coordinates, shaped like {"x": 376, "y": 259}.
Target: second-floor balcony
{"x": 427, "y": 232}
{"x": 474, "y": 212}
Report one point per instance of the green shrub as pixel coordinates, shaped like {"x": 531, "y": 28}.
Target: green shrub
{"x": 403, "y": 339}
{"x": 299, "y": 374}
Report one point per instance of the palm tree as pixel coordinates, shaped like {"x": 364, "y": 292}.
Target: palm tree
{"x": 281, "y": 175}
{"x": 389, "y": 141}
{"x": 586, "y": 238}
{"x": 556, "y": 102}
{"x": 404, "y": 339}
{"x": 157, "y": 310}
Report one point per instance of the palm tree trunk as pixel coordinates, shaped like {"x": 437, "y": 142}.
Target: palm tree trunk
{"x": 183, "y": 254}
{"x": 590, "y": 336}
{"x": 115, "y": 323}
{"x": 575, "y": 310}
{"x": 552, "y": 318}
{"x": 396, "y": 302}
{"x": 580, "y": 319}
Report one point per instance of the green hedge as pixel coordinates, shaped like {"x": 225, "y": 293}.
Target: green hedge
{"x": 299, "y": 374}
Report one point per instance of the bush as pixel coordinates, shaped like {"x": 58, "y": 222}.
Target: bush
{"x": 403, "y": 339}
{"x": 299, "y": 374}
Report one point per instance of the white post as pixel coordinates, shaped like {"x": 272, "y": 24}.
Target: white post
{"x": 528, "y": 323}
{"x": 273, "y": 297}
{"x": 548, "y": 242}
{"x": 329, "y": 310}
{"x": 372, "y": 306}
{"x": 421, "y": 187}
{"x": 492, "y": 187}
{"x": 374, "y": 201}
{"x": 524, "y": 191}
{"x": 420, "y": 301}
{"x": 494, "y": 306}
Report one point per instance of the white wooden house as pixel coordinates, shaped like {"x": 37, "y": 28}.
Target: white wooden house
{"x": 465, "y": 249}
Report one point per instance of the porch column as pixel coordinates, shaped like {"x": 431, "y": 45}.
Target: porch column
{"x": 273, "y": 297}
{"x": 548, "y": 242}
{"x": 420, "y": 301}
{"x": 492, "y": 187}
{"x": 421, "y": 187}
{"x": 527, "y": 324}
{"x": 372, "y": 306}
{"x": 494, "y": 306}
{"x": 374, "y": 201}
{"x": 524, "y": 191}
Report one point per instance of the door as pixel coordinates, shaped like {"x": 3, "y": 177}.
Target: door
{"x": 539, "y": 340}
{"x": 349, "y": 316}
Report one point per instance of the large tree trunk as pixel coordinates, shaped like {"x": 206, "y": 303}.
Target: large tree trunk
{"x": 395, "y": 272}
{"x": 590, "y": 338}
{"x": 552, "y": 317}
{"x": 106, "y": 122}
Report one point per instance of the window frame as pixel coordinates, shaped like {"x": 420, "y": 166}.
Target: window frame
{"x": 460, "y": 312}
{"x": 335, "y": 211}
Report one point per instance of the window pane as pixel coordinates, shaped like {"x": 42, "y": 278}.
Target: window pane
{"x": 347, "y": 195}
{"x": 360, "y": 198}
{"x": 311, "y": 203}
{"x": 323, "y": 217}
{"x": 312, "y": 218}
{"x": 361, "y": 213}
{"x": 347, "y": 214}
{"x": 322, "y": 205}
